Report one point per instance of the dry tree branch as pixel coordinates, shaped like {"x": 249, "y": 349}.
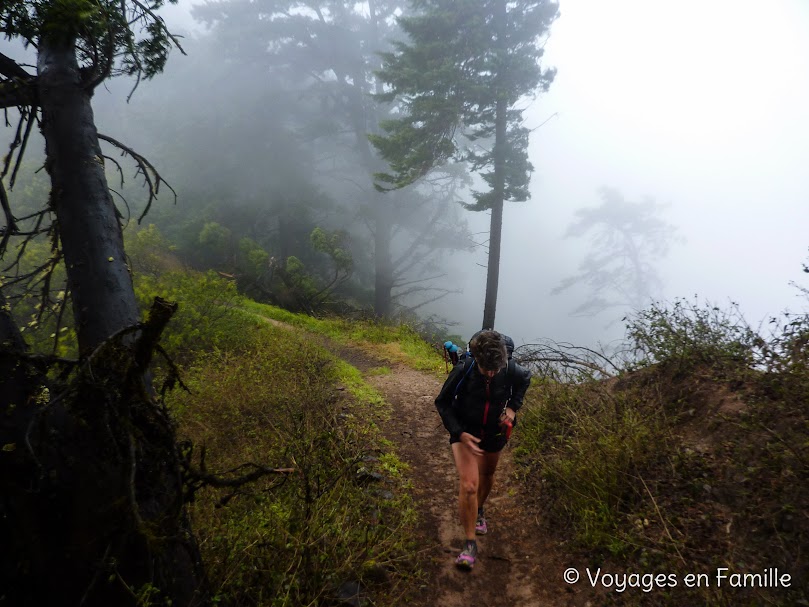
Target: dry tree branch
{"x": 174, "y": 373}
{"x": 45, "y": 281}
{"x": 198, "y": 477}
{"x": 564, "y": 361}
{"x": 11, "y": 225}
{"x": 18, "y": 93}
{"x": 28, "y": 275}
{"x": 158, "y": 19}
{"x": 125, "y": 202}
{"x": 442, "y": 293}
{"x": 117, "y": 166}
{"x": 150, "y": 174}
{"x": 11, "y": 69}
{"x": 16, "y": 87}
{"x": 31, "y": 116}
{"x": 397, "y": 285}
{"x": 662, "y": 520}
{"x": 14, "y": 143}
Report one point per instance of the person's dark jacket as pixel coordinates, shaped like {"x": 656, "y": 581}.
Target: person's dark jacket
{"x": 477, "y": 411}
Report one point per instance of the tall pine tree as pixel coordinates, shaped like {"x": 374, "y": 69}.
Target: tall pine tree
{"x": 467, "y": 65}
{"x": 324, "y": 54}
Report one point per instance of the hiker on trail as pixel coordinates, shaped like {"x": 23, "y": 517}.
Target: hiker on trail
{"x": 478, "y": 405}
{"x": 453, "y": 352}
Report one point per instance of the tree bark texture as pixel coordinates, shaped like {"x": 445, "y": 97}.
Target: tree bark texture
{"x": 91, "y": 484}
{"x": 91, "y": 491}
{"x": 499, "y": 182}
{"x": 92, "y": 241}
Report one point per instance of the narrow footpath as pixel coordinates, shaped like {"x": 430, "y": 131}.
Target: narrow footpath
{"x": 517, "y": 565}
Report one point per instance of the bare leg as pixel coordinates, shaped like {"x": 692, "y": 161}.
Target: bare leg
{"x": 487, "y": 464}
{"x": 467, "y": 464}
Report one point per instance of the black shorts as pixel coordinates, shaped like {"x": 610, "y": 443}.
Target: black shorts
{"x": 493, "y": 440}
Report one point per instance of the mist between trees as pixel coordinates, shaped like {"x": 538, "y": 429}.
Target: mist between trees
{"x": 321, "y": 156}
{"x": 266, "y": 136}
{"x": 262, "y": 129}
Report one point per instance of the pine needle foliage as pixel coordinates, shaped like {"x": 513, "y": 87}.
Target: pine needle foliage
{"x": 461, "y": 59}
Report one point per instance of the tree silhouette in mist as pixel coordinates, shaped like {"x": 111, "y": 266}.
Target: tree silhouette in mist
{"x": 626, "y": 240}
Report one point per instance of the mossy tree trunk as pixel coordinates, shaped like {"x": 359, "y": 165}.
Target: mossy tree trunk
{"x": 91, "y": 479}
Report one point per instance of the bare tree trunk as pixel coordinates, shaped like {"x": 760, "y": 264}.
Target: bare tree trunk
{"x": 383, "y": 264}
{"x": 499, "y": 182}
{"x": 383, "y": 217}
{"x": 496, "y": 226}
{"x": 91, "y": 489}
{"x": 284, "y": 233}
{"x": 92, "y": 242}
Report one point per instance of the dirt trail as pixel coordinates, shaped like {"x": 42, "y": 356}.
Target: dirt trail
{"x": 517, "y": 565}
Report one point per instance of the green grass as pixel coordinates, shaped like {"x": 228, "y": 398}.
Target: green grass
{"x": 379, "y": 371}
{"x": 272, "y": 396}
{"x": 362, "y": 391}
{"x": 398, "y": 343}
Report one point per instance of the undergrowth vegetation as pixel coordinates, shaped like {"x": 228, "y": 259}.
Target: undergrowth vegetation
{"x": 694, "y": 457}
{"x": 689, "y": 455}
{"x": 330, "y": 514}
{"x": 394, "y": 341}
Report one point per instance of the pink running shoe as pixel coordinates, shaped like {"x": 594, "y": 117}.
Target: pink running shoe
{"x": 481, "y": 528}
{"x": 466, "y": 559}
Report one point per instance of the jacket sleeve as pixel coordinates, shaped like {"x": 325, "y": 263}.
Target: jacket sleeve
{"x": 520, "y": 383}
{"x": 444, "y": 402}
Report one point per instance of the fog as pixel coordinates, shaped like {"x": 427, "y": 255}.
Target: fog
{"x": 700, "y": 105}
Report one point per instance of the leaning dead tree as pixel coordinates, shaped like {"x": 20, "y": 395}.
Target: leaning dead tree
{"x": 92, "y": 483}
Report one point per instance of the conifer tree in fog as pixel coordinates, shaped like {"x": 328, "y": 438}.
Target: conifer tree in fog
{"x": 91, "y": 494}
{"x": 463, "y": 72}
{"x": 626, "y": 239}
{"x": 324, "y": 53}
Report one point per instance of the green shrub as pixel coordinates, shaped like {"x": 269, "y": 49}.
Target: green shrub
{"x": 694, "y": 457}
{"x": 344, "y": 515}
{"x": 688, "y": 334}
{"x": 206, "y": 316}
{"x": 586, "y": 444}
{"x": 150, "y": 252}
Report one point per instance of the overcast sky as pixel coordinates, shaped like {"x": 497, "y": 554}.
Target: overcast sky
{"x": 702, "y": 104}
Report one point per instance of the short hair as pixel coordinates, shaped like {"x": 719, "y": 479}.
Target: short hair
{"x": 489, "y": 350}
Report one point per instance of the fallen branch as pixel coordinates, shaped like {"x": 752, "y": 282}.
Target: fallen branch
{"x": 565, "y": 361}
{"x": 196, "y": 478}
